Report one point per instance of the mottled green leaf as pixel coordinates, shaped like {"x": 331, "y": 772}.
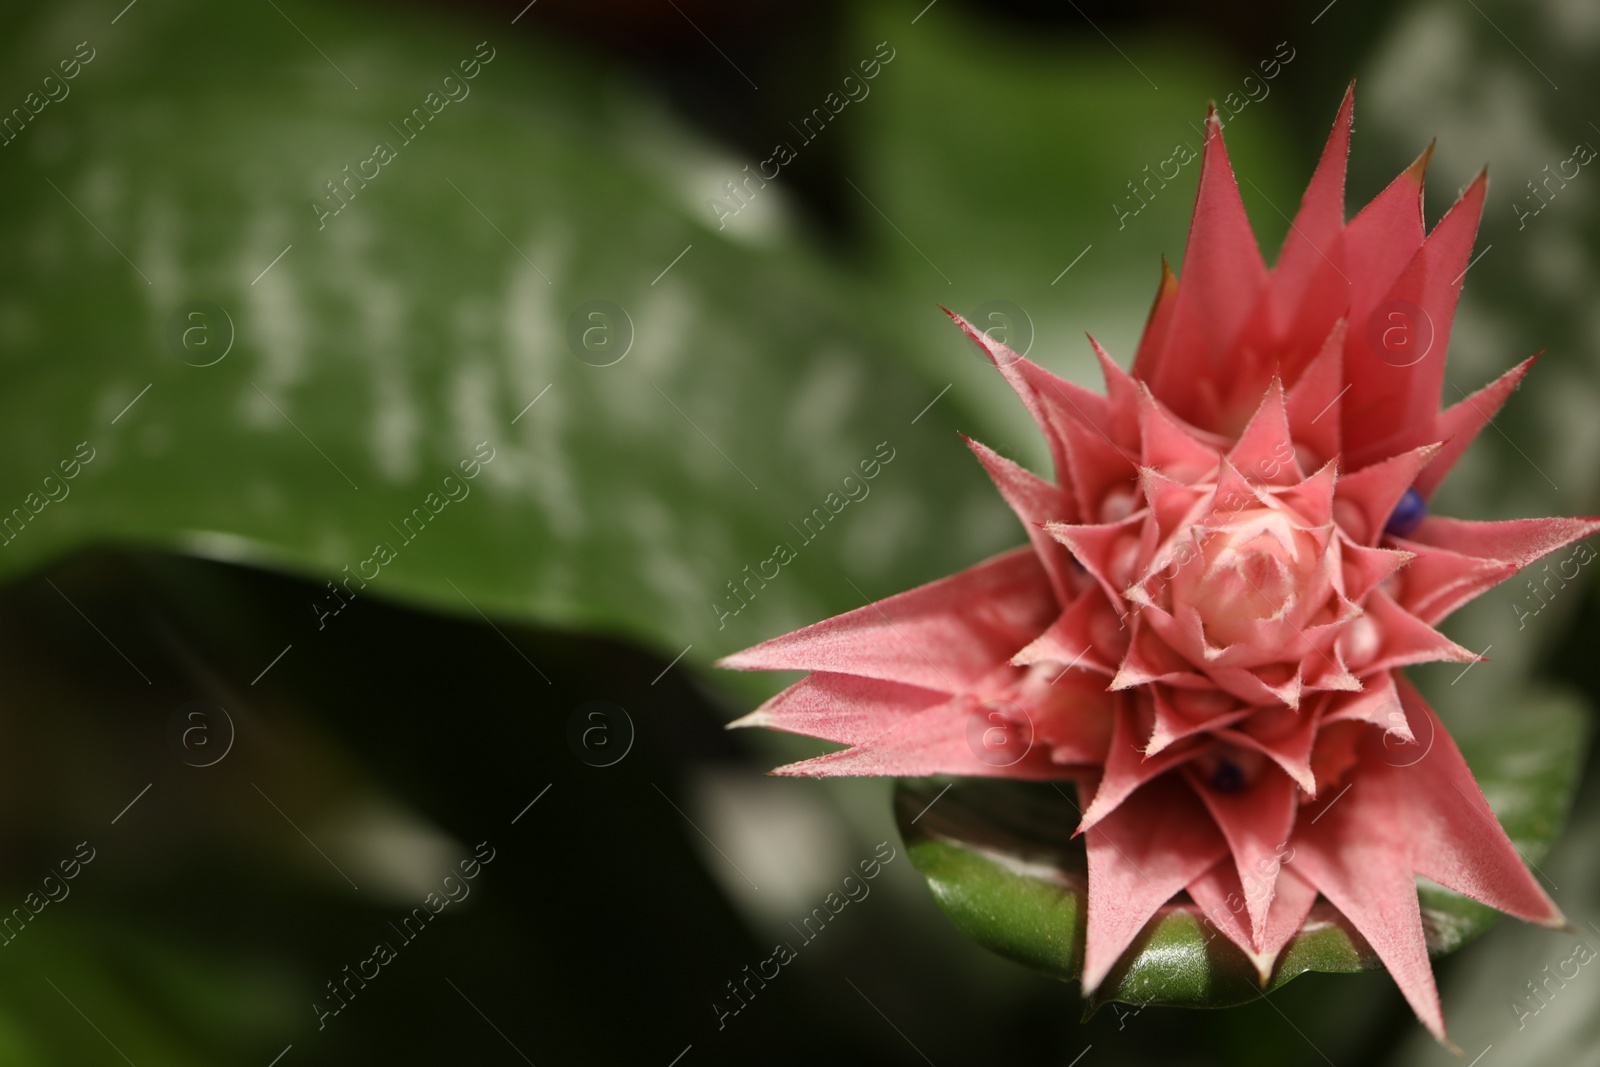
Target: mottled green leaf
{"x": 372, "y": 350}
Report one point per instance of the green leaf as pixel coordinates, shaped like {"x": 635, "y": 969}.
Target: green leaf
{"x": 374, "y": 349}
{"x": 1000, "y": 861}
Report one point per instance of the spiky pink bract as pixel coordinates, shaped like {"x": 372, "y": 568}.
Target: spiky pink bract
{"x": 1222, "y": 582}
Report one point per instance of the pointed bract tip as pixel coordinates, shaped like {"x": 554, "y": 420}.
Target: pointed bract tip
{"x": 754, "y": 718}
{"x": 1347, "y": 108}
{"x": 1478, "y": 186}
{"x": 1429, "y": 452}
{"x": 979, "y": 338}
{"x": 1107, "y": 364}
{"x": 1264, "y": 965}
{"x": 1419, "y": 166}
{"x": 796, "y": 770}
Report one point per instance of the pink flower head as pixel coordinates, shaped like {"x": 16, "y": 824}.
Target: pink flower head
{"x": 1233, "y": 562}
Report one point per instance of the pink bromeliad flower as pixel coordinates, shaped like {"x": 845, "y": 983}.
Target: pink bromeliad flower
{"x": 1222, "y": 583}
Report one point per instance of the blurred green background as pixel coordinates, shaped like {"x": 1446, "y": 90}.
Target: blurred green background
{"x": 305, "y": 765}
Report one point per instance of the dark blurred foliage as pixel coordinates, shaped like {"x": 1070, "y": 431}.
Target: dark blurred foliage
{"x": 595, "y": 934}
